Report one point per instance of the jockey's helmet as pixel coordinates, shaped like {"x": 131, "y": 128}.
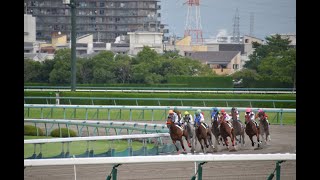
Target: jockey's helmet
{"x": 260, "y": 111}
{"x": 175, "y": 109}
{"x": 215, "y": 109}
{"x": 248, "y": 110}
{"x": 222, "y": 111}
{"x": 233, "y": 109}
{"x": 198, "y": 112}
{"x": 170, "y": 111}
{"x": 186, "y": 113}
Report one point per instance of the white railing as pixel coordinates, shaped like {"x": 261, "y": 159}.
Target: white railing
{"x": 93, "y": 138}
{"x": 159, "y": 159}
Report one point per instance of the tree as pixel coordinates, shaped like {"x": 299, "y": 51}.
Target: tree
{"x": 61, "y": 73}
{"x": 281, "y": 66}
{"x": 84, "y": 70}
{"x": 147, "y": 55}
{"x": 31, "y": 70}
{"x": 123, "y": 69}
{"x": 103, "y": 65}
{"x": 274, "y": 44}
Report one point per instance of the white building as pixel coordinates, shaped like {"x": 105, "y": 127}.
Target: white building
{"x": 140, "y": 39}
{"x": 29, "y": 28}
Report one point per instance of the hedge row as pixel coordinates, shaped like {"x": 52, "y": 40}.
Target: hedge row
{"x": 167, "y": 95}
{"x": 64, "y": 133}
{"x": 30, "y": 130}
{"x": 266, "y": 84}
{"x": 112, "y": 85}
{"x": 203, "y": 81}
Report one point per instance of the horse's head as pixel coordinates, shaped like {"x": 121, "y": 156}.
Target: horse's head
{"x": 169, "y": 121}
{"x": 222, "y": 118}
{"x": 247, "y": 117}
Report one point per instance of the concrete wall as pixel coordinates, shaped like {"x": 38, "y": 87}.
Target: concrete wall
{"x": 249, "y": 40}
{"x": 29, "y": 28}
{"x": 213, "y": 47}
{"x": 85, "y": 39}
{"x": 140, "y": 39}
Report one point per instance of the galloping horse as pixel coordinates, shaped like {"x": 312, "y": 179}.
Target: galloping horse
{"x": 203, "y": 133}
{"x": 225, "y": 131}
{"x": 237, "y": 126}
{"x": 176, "y": 134}
{"x": 191, "y": 133}
{"x": 264, "y": 127}
{"x": 215, "y": 130}
{"x": 252, "y": 130}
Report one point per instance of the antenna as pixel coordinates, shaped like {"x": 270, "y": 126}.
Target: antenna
{"x": 193, "y": 26}
{"x": 236, "y": 24}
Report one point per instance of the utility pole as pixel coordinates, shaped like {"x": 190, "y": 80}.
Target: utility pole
{"x": 72, "y": 5}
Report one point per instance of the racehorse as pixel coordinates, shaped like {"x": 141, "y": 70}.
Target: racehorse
{"x": 191, "y": 133}
{"x": 176, "y": 134}
{"x": 238, "y": 127}
{"x": 225, "y": 131}
{"x": 215, "y": 130}
{"x": 203, "y": 133}
{"x": 264, "y": 127}
{"x": 252, "y": 130}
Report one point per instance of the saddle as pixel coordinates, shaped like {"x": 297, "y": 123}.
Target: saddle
{"x": 180, "y": 127}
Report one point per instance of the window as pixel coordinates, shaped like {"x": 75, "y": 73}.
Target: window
{"x": 246, "y": 41}
{"x": 235, "y": 66}
{"x": 101, "y": 12}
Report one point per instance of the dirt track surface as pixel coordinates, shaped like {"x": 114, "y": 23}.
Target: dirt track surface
{"x": 283, "y": 140}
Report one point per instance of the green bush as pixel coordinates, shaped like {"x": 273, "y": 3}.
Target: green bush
{"x": 30, "y": 130}
{"x": 203, "y": 81}
{"x": 64, "y": 133}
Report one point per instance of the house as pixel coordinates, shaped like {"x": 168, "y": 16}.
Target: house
{"x": 221, "y": 62}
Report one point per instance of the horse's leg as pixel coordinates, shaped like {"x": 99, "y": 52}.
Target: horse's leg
{"x": 186, "y": 136}
{"x": 232, "y": 136}
{"x": 181, "y": 142}
{"x": 258, "y": 139}
{"x": 252, "y": 143}
{"x": 199, "y": 139}
{"x": 242, "y": 135}
{"x": 222, "y": 141}
{"x": 226, "y": 142}
{"x": 210, "y": 139}
{"x": 174, "y": 142}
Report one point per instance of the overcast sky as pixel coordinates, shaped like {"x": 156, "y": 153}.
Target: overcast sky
{"x": 270, "y": 16}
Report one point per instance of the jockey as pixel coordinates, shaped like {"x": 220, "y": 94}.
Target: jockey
{"x": 174, "y": 117}
{"x": 237, "y": 113}
{"x": 227, "y": 117}
{"x": 264, "y": 114}
{"x": 215, "y": 114}
{"x": 187, "y": 117}
{"x": 198, "y": 118}
{"x": 175, "y": 110}
{"x": 252, "y": 116}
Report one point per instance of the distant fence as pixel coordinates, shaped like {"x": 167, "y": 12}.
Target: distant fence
{"x": 82, "y": 125}
{"x": 130, "y": 113}
{"x": 158, "y": 147}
